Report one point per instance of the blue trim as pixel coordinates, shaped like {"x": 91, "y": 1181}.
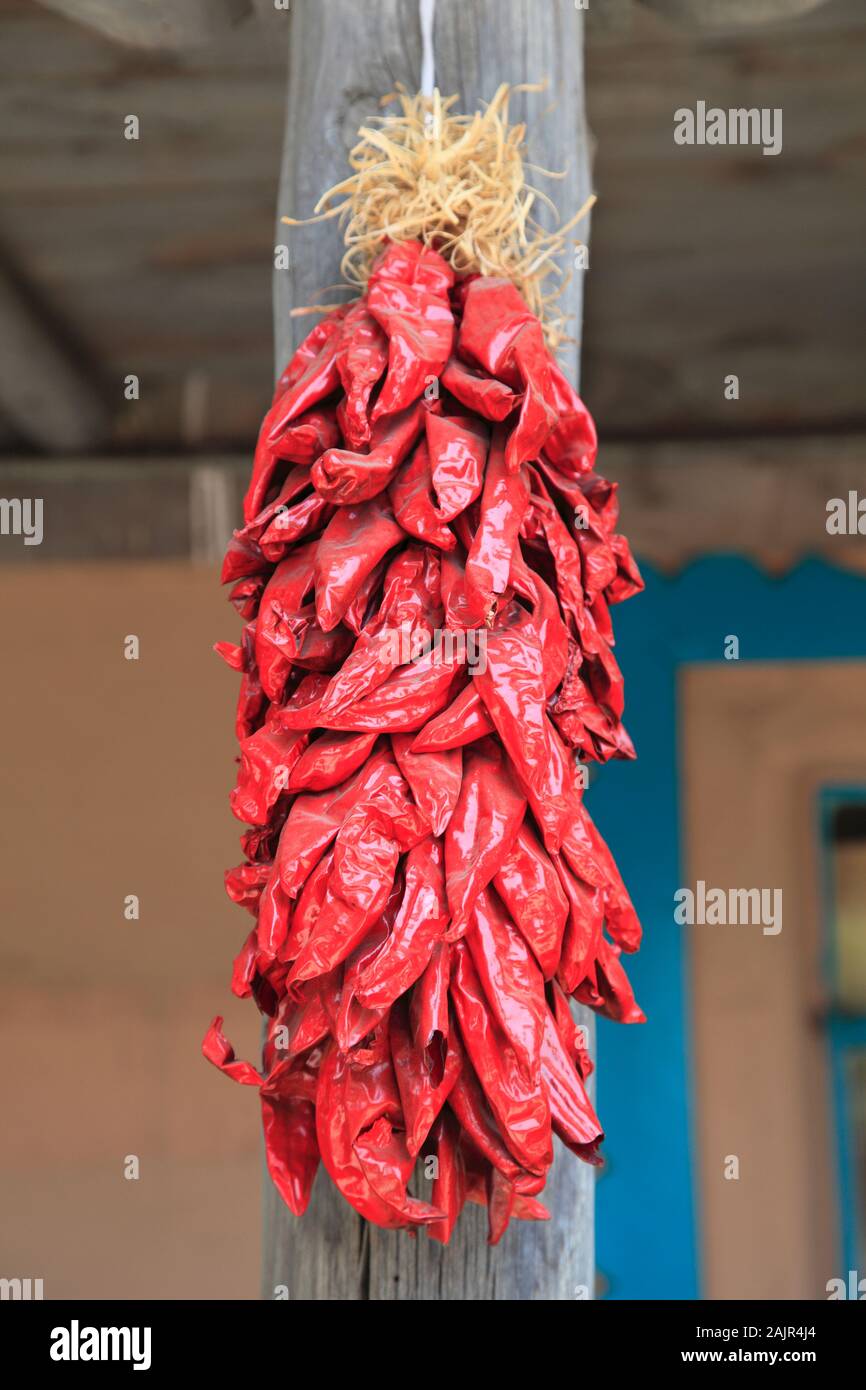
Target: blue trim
{"x": 647, "y": 1237}
{"x": 846, "y": 1033}
{"x": 851, "y": 1220}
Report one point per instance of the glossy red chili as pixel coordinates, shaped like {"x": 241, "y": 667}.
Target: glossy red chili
{"x": 426, "y": 573}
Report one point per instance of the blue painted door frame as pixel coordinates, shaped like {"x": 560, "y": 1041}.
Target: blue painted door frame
{"x": 846, "y": 1034}
{"x": 647, "y": 1231}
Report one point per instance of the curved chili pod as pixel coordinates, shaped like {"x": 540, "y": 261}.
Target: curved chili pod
{"x": 572, "y": 444}
{"x": 388, "y": 1166}
{"x": 504, "y": 503}
{"x": 403, "y": 627}
{"x": 423, "y": 1087}
{"x": 512, "y": 982}
{"x": 552, "y": 632}
{"x": 361, "y": 361}
{"x": 529, "y": 887}
{"x": 353, "y": 1021}
{"x": 330, "y": 760}
{"x": 552, "y": 793}
{"x": 307, "y": 1021}
{"x": 521, "y": 1109}
{"x": 347, "y": 477}
{"x": 419, "y": 924}
{"x": 320, "y": 377}
{"x": 574, "y": 1119}
{"x": 408, "y": 295}
{"x": 276, "y": 640}
{"x": 245, "y": 883}
{"x": 434, "y": 779}
{"x": 571, "y": 1035}
{"x": 610, "y": 993}
{"x": 288, "y": 1116}
{"x": 428, "y": 1010}
{"x": 511, "y": 683}
{"x": 291, "y": 524}
{"x": 309, "y": 350}
{"x": 354, "y": 541}
{"x": 244, "y": 968}
{"x": 583, "y": 929}
{"x": 487, "y": 397}
{"x": 300, "y": 443}
{"x": 488, "y": 814}
{"x": 414, "y": 501}
{"x": 355, "y": 615}
{"x": 501, "y": 334}
{"x": 267, "y": 759}
{"x": 457, "y": 449}
{"x": 470, "y": 1106}
{"x": 365, "y": 861}
{"x": 464, "y": 721}
{"x": 274, "y": 910}
{"x": 357, "y": 1111}
{"x": 405, "y": 701}
{"x": 217, "y": 1049}
{"x": 294, "y": 484}
{"x": 336, "y": 1142}
{"x": 291, "y": 1149}
{"x": 449, "y": 1184}
{"x": 314, "y": 819}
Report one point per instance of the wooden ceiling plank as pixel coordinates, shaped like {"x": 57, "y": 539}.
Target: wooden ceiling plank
{"x": 44, "y": 393}
{"x": 721, "y": 15}
{"x": 167, "y": 25}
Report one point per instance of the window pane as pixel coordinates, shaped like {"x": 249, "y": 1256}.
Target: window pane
{"x": 848, "y": 913}
{"x": 855, "y": 1088}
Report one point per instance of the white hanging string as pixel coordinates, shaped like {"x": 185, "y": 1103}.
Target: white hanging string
{"x": 428, "y": 62}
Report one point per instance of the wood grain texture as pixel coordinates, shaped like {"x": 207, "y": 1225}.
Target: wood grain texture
{"x": 705, "y": 260}
{"x": 730, "y": 14}
{"x": 161, "y": 24}
{"x": 45, "y": 392}
{"x": 343, "y": 57}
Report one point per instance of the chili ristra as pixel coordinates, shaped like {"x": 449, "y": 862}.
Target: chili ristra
{"x": 428, "y": 888}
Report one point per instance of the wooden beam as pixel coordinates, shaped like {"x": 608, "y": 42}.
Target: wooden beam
{"x": 168, "y": 25}
{"x": 342, "y": 58}
{"x": 763, "y": 498}
{"x": 718, "y": 15}
{"x": 44, "y": 392}
{"x": 114, "y": 508}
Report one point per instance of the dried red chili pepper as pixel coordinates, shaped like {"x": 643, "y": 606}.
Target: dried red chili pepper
{"x": 503, "y": 505}
{"x": 418, "y": 926}
{"x": 344, "y": 476}
{"x": 414, "y": 501}
{"x": 408, "y": 295}
{"x": 426, "y": 579}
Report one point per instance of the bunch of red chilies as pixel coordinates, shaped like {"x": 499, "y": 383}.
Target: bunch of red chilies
{"x": 427, "y": 885}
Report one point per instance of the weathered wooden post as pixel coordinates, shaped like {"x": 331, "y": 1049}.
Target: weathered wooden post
{"x": 343, "y": 57}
